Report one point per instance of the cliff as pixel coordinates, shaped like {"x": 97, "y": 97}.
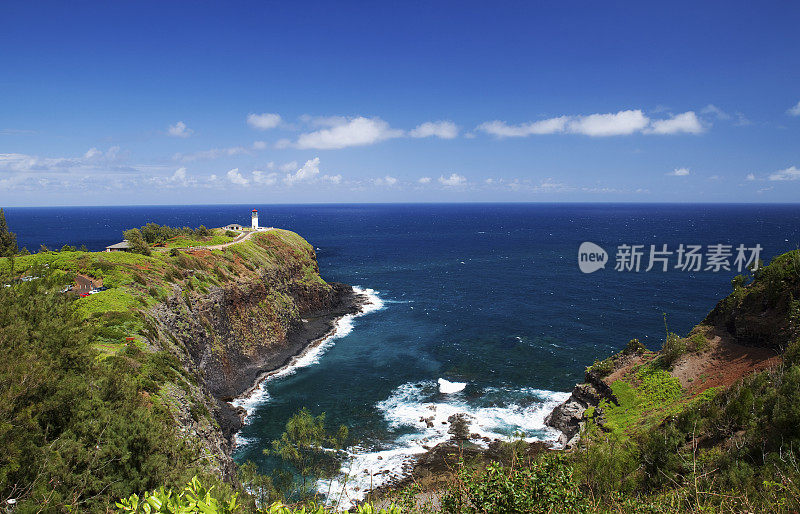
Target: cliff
{"x": 214, "y": 320}
{"x": 637, "y": 389}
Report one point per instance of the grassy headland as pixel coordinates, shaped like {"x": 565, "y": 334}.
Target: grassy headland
{"x": 100, "y": 397}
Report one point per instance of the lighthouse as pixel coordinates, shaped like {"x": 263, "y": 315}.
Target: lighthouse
{"x": 254, "y": 217}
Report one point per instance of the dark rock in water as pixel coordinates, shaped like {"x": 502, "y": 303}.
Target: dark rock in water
{"x": 568, "y": 417}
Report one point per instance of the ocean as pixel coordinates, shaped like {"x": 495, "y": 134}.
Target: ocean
{"x": 474, "y": 308}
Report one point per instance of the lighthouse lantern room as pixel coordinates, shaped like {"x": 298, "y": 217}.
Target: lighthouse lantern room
{"x": 255, "y": 220}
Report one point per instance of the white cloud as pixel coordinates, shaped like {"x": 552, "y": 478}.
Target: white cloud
{"x": 264, "y": 121}
{"x": 716, "y": 111}
{"x": 259, "y": 145}
{"x": 502, "y": 129}
{"x": 453, "y": 180}
{"x": 264, "y": 178}
{"x": 679, "y": 172}
{"x": 307, "y": 173}
{"x": 289, "y": 166}
{"x": 790, "y": 173}
{"x": 91, "y": 153}
{"x": 354, "y": 132}
{"x": 214, "y": 153}
{"x": 336, "y": 179}
{"x": 323, "y": 121}
{"x": 621, "y": 123}
{"x": 441, "y": 129}
{"x": 385, "y": 181}
{"x": 178, "y": 178}
{"x": 280, "y": 144}
{"x": 598, "y": 125}
{"x": 687, "y": 122}
{"x": 549, "y": 185}
{"x": 179, "y": 130}
{"x": 237, "y": 178}
{"x": 794, "y": 111}
{"x": 750, "y": 176}
{"x": 424, "y": 180}
{"x": 92, "y": 160}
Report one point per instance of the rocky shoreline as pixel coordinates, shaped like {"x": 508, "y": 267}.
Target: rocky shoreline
{"x": 315, "y": 328}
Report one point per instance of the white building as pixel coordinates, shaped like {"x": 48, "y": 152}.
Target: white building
{"x": 255, "y": 220}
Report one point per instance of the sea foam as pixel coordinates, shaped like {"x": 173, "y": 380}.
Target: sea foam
{"x": 447, "y": 387}
{"x": 419, "y": 413}
{"x": 311, "y": 355}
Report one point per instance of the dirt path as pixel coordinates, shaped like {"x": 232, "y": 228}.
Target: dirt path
{"x": 239, "y": 239}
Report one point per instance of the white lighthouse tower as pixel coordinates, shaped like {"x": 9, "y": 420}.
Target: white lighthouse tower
{"x": 254, "y": 217}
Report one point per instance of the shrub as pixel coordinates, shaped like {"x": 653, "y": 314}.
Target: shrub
{"x": 674, "y": 346}
{"x": 697, "y": 342}
{"x": 546, "y": 486}
{"x": 193, "y": 498}
{"x": 634, "y": 347}
{"x": 601, "y": 368}
{"x": 139, "y": 278}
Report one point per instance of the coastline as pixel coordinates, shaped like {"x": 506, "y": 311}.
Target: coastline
{"x": 306, "y": 343}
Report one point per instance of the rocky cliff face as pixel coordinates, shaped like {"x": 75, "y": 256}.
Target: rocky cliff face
{"x": 229, "y": 335}
{"x": 568, "y": 417}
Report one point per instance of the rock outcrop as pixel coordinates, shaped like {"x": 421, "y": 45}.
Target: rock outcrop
{"x": 568, "y": 417}
{"x": 228, "y": 336}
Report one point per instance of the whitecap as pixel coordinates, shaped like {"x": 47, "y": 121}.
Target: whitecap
{"x": 311, "y": 355}
{"x": 418, "y": 412}
{"x": 447, "y": 387}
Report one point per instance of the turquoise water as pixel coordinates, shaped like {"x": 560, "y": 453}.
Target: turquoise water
{"x": 488, "y": 296}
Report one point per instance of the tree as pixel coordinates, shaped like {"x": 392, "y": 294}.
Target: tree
{"x": 137, "y": 241}
{"x": 8, "y": 239}
{"x": 306, "y": 446}
{"x": 76, "y": 430}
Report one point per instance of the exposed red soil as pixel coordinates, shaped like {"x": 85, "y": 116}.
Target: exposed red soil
{"x": 625, "y": 365}
{"x": 722, "y": 364}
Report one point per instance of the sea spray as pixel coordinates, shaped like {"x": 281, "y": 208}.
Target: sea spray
{"x": 447, "y": 387}
{"x": 311, "y": 355}
{"x": 418, "y": 413}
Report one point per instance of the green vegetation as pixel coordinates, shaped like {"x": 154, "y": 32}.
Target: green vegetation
{"x": 8, "y": 239}
{"x": 76, "y": 431}
{"x": 196, "y": 498}
{"x": 92, "y": 390}
{"x": 546, "y": 485}
{"x": 309, "y": 452}
{"x": 153, "y": 235}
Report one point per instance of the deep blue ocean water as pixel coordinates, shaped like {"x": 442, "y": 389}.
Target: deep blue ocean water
{"x": 487, "y": 295}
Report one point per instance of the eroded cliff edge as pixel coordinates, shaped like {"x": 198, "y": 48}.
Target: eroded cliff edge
{"x": 750, "y": 330}
{"x": 235, "y": 315}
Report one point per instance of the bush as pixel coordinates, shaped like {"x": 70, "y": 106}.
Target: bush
{"x": 674, "y": 346}
{"x": 634, "y": 347}
{"x": 546, "y": 486}
{"x": 601, "y": 368}
{"x": 193, "y": 498}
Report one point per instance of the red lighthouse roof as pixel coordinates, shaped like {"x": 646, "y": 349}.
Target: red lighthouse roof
{"x": 254, "y": 210}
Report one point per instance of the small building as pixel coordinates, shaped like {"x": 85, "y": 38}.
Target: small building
{"x": 234, "y": 226}
{"x": 123, "y": 246}
{"x": 254, "y": 218}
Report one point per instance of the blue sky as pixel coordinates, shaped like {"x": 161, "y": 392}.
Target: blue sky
{"x": 236, "y": 102}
